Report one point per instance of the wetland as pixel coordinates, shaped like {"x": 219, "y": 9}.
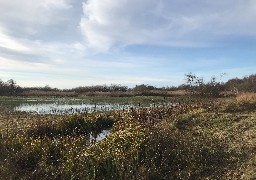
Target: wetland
{"x": 143, "y": 137}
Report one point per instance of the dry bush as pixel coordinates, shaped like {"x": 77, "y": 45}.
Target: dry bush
{"x": 246, "y": 97}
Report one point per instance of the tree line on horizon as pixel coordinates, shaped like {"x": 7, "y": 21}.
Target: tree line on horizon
{"x": 194, "y": 84}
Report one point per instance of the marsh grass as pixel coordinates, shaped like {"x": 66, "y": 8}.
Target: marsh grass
{"x": 196, "y": 138}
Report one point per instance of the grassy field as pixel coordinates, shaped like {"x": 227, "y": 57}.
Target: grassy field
{"x": 195, "y": 138}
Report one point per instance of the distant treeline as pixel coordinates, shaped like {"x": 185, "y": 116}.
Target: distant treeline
{"x": 101, "y": 88}
{"x": 246, "y": 84}
{"x": 10, "y": 88}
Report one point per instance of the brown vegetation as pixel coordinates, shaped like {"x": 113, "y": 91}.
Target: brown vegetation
{"x": 198, "y": 138}
{"x": 246, "y": 97}
{"x": 47, "y": 93}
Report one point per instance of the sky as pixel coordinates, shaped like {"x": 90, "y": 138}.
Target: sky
{"x": 67, "y": 43}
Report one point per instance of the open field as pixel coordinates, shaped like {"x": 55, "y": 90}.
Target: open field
{"x": 184, "y": 138}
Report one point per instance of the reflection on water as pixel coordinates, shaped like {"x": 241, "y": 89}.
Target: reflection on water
{"x": 99, "y": 137}
{"x": 74, "y": 106}
{"x": 55, "y": 108}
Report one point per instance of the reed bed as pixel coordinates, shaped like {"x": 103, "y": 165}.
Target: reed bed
{"x": 246, "y": 97}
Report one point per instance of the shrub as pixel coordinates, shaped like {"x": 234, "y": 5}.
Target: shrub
{"x": 197, "y": 86}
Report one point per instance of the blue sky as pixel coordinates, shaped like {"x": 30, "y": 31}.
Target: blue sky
{"x": 67, "y": 43}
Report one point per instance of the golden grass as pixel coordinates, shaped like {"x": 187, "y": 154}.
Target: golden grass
{"x": 246, "y": 97}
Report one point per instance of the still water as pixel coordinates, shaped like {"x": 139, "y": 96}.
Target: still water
{"x": 56, "y": 108}
{"x": 73, "y": 106}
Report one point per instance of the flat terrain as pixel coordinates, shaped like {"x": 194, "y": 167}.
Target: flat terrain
{"x": 173, "y": 138}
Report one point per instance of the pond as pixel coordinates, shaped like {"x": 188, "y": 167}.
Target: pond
{"x": 56, "y": 108}
{"x": 62, "y": 106}
{"x": 100, "y": 136}
{"x": 67, "y": 105}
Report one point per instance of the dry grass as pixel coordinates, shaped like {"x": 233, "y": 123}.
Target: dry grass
{"x": 246, "y": 97}
{"x": 48, "y": 93}
{"x": 178, "y": 93}
{"x": 139, "y": 93}
{"x": 111, "y": 94}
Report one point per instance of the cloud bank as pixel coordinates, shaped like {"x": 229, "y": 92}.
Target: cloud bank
{"x": 176, "y": 23}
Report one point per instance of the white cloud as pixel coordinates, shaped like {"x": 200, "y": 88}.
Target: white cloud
{"x": 35, "y": 31}
{"x": 29, "y": 31}
{"x": 184, "y": 23}
{"x": 27, "y": 17}
{"x": 25, "y": 50}
{"x": 8, "y": 42}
